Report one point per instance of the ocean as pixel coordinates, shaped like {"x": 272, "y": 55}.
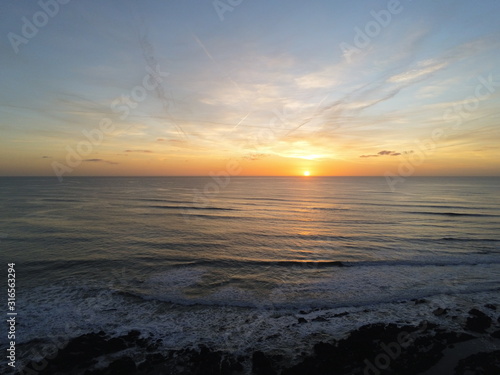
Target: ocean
{"x": 186, "y": 261}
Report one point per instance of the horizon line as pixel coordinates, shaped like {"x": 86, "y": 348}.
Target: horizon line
{"x": 272, "y": 176}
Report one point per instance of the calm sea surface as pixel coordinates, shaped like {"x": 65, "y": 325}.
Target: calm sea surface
{"x": 162, "y": 256}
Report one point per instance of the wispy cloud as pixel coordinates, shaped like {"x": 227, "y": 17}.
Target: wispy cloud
{"x": 254, "y": 157}
{"x": 421, "y": 71}
{"x": 140, "y": 151}
{"x": 99, "y": 161}
{"x": 382, "y": 153}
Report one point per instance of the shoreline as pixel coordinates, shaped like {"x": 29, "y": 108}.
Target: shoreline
{"x": 391, "y": 347}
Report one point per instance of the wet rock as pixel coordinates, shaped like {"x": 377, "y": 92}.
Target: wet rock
{"x": 341, "y": 314}
{"x": 271, "y": 337}
{"x": 480, "y": 363}
{"x": 496, "y": 334}
{"x": 132, "y": 336}
{"x": 122, "y": 366}
{"x": 155, "y": 358}
{"x": 490, "y": 306}
{"x": 115, "y": 345}
{"x": 478, "y": 322}
{"x": 82, "y": 352}
{"x": 404, "y": 349}
{"x": 320, "y": 319}
{"x": 419, "y": 301}
{"x": 450, "y": 338}
{"x": 302, "y": 320}
{"x": 262, "y": 365}
{"x": 440, "y": 311}
{"x": 79, "y": 354}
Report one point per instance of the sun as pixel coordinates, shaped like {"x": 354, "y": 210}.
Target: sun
{"x": 307, "y": 173}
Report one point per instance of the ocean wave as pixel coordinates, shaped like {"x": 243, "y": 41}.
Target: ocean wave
{"x": 456, "y": 239}
{"x": 193, "y": 208}
{"x": 298, "y": 263}
{"x": 450, "y": 213}
{"x": 426, "y": 263}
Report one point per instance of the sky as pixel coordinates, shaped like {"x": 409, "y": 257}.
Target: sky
{"x": 274, "y": 87}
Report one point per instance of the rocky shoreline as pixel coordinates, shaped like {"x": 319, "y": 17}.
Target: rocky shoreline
{"x": 373, "y": 349}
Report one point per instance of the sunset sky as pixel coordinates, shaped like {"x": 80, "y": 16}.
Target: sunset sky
{"x": 275, "y": 87}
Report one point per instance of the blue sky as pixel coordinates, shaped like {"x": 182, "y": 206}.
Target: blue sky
{"x": 266, "y": 84}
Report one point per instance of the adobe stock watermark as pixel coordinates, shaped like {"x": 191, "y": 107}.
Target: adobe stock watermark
{"x": 122, "y": 106}
{"x": 458, "y": 113}
{"x": 30, "y": 27}
{"x": 223, "y": 6}
{"x": 218, "y": 182}
{"x": 461, "y": 111}
{"x": 371, "y": 30}
{"x": 268, "y": 134}
{"x": 391, "y": 351}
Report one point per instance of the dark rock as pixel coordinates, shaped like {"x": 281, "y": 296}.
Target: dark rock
{"x": 207, "y": 362}
{"x": 155, "y": 364}
{"x": 453, "y": 337}
{"x": 490, "y": 306}
{"x": 115, "y": 345}
{"x": 356, "y": 353}
{"x": 155, "y": 358}
{"x": 237, "y": 366}
{"x": 320, "y": 319}
{"x": 322, "y": 349}
{"x": 94, "y": 372}
{"x": 79, "y": 354}
{"x": 341, "y": 314}
{"x": 478, "y": 322}
{"x": 496, "y": 334}
{"x": 82, "y": 352}
{"x": 85, "y": 343}
{"x": 480, "y": 363}
{"x": 440, "y": 311}
{"x": 132, "y": 336}
{"x": 262, "y": 365}
{"x": 476, "y": 312}
{"x": 122, "y": 366}
{"x": 419, "y": 301}
{"x": 275, "y": 336}
{"x": 302, "y": 320}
